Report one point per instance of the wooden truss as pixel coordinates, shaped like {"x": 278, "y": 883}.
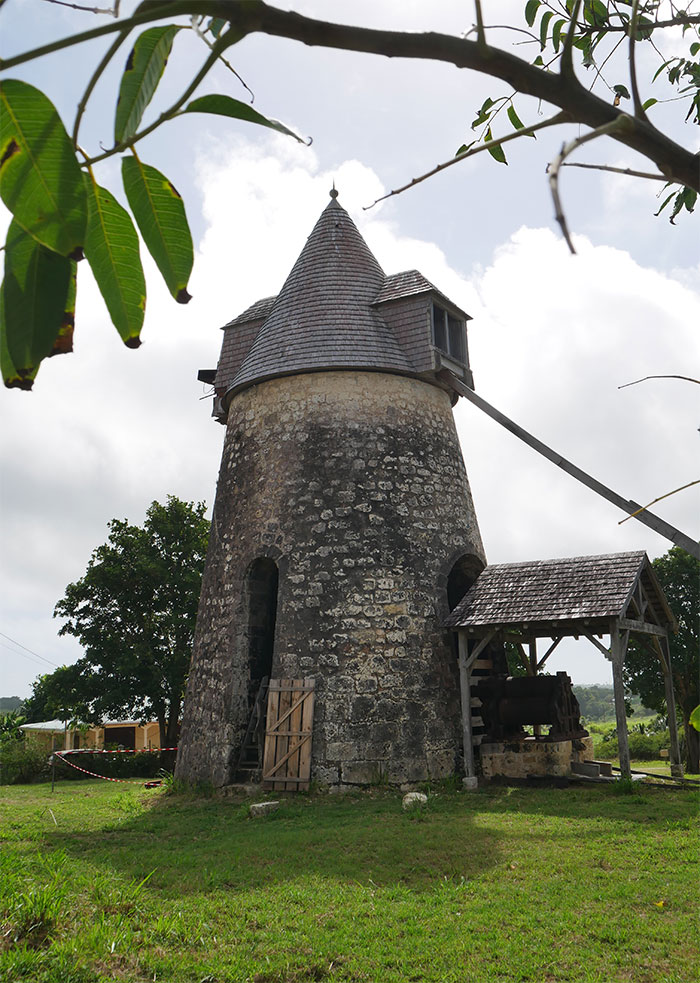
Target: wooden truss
{"x": 640, "y": 618}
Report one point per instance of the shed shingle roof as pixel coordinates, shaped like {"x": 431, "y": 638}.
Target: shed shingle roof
{"x": 583, "y": 588}
{"x": 323, "y": 318}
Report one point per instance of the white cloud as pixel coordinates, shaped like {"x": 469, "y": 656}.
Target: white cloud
{"x": 108, "y": 430}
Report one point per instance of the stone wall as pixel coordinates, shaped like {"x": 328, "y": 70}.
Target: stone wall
{"x": 520, "y": 759}
{"x": 354, "y": 484}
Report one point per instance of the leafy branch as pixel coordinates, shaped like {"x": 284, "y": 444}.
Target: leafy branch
{"x": 60, "y": 212}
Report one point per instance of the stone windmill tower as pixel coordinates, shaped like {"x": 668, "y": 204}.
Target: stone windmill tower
{"x": 343, "y": 528}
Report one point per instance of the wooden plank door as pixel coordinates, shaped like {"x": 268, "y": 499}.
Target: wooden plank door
{"x": 288, "y": 732}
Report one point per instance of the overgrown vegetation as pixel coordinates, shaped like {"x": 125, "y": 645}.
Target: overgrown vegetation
{"x": 103, "y": 882}
{"x": 597, "y": 703}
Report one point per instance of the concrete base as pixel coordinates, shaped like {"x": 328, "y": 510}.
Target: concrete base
{"x": 470, "y": 783}
{"x": 519, "y": 759}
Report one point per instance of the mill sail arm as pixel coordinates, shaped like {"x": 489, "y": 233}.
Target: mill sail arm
{"x": 633, "y": 509}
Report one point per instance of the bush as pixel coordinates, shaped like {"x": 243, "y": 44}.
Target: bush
{"x": 21, "y": 761}
{"x": 643, "y": 747}
{"x": 139, "y": 765}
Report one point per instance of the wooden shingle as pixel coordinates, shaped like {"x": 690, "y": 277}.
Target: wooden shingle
{"x": 574, "y": 589}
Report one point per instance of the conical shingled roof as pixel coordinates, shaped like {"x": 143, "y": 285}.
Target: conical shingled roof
{"x": 323, "y": 318}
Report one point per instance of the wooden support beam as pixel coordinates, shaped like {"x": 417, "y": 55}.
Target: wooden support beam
{"x": 646, "y": 627}
{"x": 536, "y": 728}
{"x": 548, "y": 653}
{"x": 618, "y": 656}
{"x": 479, "y": 647}
{"x": 633, "y": 509}
{"x": 664, "y": 653}
{"x": 524, "y": 661}
{"x": 599, "y": 645}
{"x": 464, "y": 662}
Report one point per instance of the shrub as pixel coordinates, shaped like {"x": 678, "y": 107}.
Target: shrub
{"x": 139, "y": 765}
{"x": 643, "y": 747}
{"x": 21, "y": 761}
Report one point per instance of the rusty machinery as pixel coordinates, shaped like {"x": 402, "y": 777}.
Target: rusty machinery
{"x": 511, "y": 702}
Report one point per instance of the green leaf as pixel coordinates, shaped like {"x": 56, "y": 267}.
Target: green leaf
{"x": 694, "y": 48}
{"x": 484, "y": 113}
{"x": 695, "y": 718}
{"x": 226, "y": 106}
{"x": 595, "y": 12}
{"x": 40, "y": 180}
{"x": 686, "y": 197}
{"x": 34, "y": 291}
{"x": 645, "y": 29}
{"x": 64, "y": 339}
{"x": 556, "y": 33}
{"x": 648, "y": 103}
{"x": 665, "y": 202}
{"x": 10, "y": 376}
{"x": 515, "y": 120}
{"x": 621, "y": 91}
{"x": 216, "y": 25}
{"x": 112, "y": 250}
{"x": 144, "y": 69}
{"x": 497, "y": 151}
{"x": 160, "y": 215}
{"x": 544, "y": 24}
{"x": 531, "y": 11}
{"x": 464, "y": 148}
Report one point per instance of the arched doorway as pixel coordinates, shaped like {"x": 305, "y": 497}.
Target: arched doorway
{"x": 263, "y": 582}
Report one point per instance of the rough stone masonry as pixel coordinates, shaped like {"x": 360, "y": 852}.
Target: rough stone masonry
{"x": 343, "y": 516}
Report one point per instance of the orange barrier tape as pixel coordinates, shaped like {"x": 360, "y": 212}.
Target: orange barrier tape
{"x": 92, "y": 774}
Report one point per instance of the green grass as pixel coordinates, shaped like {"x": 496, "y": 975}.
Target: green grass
{"x": 102, "y": 882}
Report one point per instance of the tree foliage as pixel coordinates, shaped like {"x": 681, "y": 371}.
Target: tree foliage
{"x": 679, "y": 575}
{"x": 61, "y": 213}
{"x": 134, "y": 613}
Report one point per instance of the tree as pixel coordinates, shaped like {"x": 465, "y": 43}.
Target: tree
{"x": 61, "y": 213}
{"x": 679, "y": 575}
{"x": 134, "y": 613}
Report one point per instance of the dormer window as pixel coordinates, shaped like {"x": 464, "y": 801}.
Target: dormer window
{"x": 449, "y": 334}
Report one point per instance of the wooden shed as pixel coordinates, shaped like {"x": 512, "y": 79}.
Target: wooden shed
{"x": 615, "y": 596}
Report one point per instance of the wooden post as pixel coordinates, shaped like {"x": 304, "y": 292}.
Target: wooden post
{"x": 532, "y": 645}
{"x": 676, "y": 765}
{"x": 616, "y": 650}
{"x": 470, "y": 779}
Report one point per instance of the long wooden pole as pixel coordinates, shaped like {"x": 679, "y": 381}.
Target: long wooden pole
{"x": 654, "y": 522}
{"x": 664, "y": 648}
{"x": 616, "y": 650}
{"x": 470, "y": 779}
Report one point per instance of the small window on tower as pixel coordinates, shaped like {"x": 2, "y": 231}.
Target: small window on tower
{"x": 449, "y": 334}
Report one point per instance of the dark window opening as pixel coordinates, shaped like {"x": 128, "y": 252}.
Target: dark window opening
{"x": 124, "y": 736}
{"x": 461, "y": 577}
{"x": 263, "y": 581}
{"x": 449, "y": 334}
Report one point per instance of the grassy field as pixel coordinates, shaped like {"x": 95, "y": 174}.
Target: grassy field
{"x": 108, "y": 882}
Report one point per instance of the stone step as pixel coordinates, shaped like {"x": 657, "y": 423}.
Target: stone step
{"x": 605, "y": 767}
{"x": 588, "y": 768}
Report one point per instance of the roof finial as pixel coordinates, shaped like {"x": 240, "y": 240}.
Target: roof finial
{"x": 333, "y": 193}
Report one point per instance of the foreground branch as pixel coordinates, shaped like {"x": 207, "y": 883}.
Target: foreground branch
{"x": 563, "y": 90}
{"x": 566, "y": 149}
{"x": 458, "y": 158}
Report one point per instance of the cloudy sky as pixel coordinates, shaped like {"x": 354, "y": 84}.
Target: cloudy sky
{"x": 107, "y": 430}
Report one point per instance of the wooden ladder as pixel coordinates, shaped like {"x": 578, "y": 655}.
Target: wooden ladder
{"x": 250, "y": 759}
